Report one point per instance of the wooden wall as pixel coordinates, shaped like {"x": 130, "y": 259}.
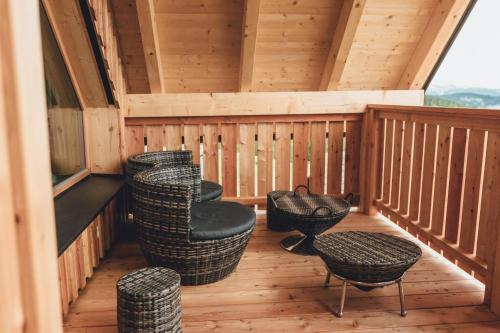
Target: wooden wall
{"x": 77, "y": 262}
{"x": 28, "y": 258}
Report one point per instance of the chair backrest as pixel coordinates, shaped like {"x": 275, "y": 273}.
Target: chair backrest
{"x": 163, "y": 197}
{"x": 148, "y": 160}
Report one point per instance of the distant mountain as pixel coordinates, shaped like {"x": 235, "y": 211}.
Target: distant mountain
{"x": 452, "y": 96}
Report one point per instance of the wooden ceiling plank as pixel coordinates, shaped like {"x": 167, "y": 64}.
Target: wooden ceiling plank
{"x": 438, "y": 32}
{"x": 342, "y": 41}
{"x": 147, "y": 23}
{"x": 248, "y": 43}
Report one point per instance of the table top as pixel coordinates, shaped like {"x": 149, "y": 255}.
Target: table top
{"x": 368, "y": 248}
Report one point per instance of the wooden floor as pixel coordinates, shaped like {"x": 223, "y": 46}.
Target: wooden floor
{"x": 274, "y": 291}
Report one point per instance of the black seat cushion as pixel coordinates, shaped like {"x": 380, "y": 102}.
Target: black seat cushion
{"x": 219, "y": 219}
{"x": 210, "y": 190}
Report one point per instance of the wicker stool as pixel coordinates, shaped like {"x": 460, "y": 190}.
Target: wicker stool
{"x": 149, "y": 300}
{"x": 367, "y": 260}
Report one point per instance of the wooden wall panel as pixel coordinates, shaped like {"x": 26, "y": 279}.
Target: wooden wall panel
{"x": 335, "y": 157}
{"x": 352, "y": 157}
{"x": 441, "y": 180}
{"x": 455, "y": 190}
{"x": 300, "y": 153}
{"x": 283, "y": 140}
{"x": 77, "y": 262}
{"x": 155, "y": 137}
{"x": 134, "y": 140}
{"x": 247, "y": 159}
{"x": 318, "y": 148}
{"x": 211, "y": 153}
{"x": 192, "y": 141}
{"x": 472, "y": 191}
{"x": 265, "y": 158}
{"x": 229, "y": 162}
{"x": 173, "y": 137}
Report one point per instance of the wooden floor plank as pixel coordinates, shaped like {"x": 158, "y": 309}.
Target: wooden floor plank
{"x": 275, "y": 291}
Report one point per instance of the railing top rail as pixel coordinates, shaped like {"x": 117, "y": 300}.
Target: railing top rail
{"x": 480, "y": 113}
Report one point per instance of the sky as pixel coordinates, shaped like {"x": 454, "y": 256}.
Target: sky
{"x": 474, "y": 58}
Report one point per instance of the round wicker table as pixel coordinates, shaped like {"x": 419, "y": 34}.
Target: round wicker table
{"x": 149, "y": 300}
{"x": 311, "y": 214}
{"x": 366, "y": 260}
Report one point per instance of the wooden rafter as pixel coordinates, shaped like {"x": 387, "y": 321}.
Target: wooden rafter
{"x": 439, "y": 30}
{"x": 341, "y": 43}
{"x": 248, "y": 42}
{"x": 147, "y": 22}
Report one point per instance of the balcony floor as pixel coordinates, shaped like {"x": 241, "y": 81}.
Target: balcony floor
{"x": 274, "y": 291}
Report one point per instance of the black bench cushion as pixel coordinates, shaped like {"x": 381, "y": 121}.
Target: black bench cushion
{"x": 219, "y": 219}
{"x": 210, "y": 190}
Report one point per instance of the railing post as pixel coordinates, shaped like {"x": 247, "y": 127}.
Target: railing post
{"x": 368, "y": 168}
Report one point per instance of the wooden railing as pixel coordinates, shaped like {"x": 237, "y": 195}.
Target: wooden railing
{"x": 436, "y": 173}
{"x": 252, "y": 155}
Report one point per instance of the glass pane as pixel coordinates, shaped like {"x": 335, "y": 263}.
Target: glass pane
{"x": 469, "y": 75}
{"x": 65, "y": 116}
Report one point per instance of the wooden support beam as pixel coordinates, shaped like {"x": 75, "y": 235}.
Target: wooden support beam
{"x": 26, "y": 194}
{"x": 438, "y": 32}
{"x": 340, "y": 48}
{"x": 151, "y": 46}
{"x": 69, "y": 28}
{"x": 248, "y": 43}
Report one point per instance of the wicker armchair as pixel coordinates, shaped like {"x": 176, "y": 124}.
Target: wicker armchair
{"x": 165, "y": 200}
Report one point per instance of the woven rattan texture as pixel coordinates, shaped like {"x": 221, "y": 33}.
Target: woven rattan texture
{"x": 367, "y": 256}
{"x": 162, "y": 214}
{"x": 149, "y": 300}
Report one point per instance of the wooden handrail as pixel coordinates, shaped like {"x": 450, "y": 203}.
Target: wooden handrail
{"x": 495, "y": 113}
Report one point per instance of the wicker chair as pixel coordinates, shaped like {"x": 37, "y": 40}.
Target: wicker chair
{"x": 166, "y": 202}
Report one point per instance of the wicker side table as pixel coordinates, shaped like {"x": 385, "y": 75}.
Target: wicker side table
{"x": 367, "y": 260}
{"x": 149, "y": 300}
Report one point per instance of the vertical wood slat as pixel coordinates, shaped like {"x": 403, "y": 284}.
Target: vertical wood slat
{"x": 454, "y": 205}
{"x": 229, "y": 176}
{"x": 380, "y": 158}
{"x": 396, "y": 163}
{"x": 352, "y": 156}
{"x": 417, "y": 167}
{"x": 192, "y": 141}
{"x": 335, "y": 157}
{"x": 211, "y": 152}
{"x": 318, "y": 148}
{"x": 441, "y": 180}
{"x": 300, "y": 147}
{"x": 406, "y": 168}
{"x": 155, "y": 137}
{"x": 134, "y": 140}
{"x": 265, "y": 158}
{"x": 388, "y": 152}
{"x": 282, "y": 165}
{"x": 489, "y": 233}
{"x": 247, "y": 159}
{"x": 428, "y": 175}
{"x": 472, "y": 190}
{"x": 173, "y": 137}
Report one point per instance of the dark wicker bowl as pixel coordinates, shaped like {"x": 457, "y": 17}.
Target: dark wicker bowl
{"x": 367, "y": 256}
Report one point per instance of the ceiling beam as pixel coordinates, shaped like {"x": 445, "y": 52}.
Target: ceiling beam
{"x": 438, "y": 32}
{"x": 248, "y": 42}
{"x": 340, "y": 48}
{"x": 150, "y": 44}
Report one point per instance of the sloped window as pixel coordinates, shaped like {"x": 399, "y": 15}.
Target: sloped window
{"x": 65, "y": 116}
{"x": 469, "y": 74}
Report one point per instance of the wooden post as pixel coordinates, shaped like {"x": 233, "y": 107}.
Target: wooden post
{"x": 368, "y": 169}
{"x": 26, "y": 195}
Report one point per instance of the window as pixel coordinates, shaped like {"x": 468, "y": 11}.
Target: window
{"x": 469, "y": 75}
{"x": 65, "y": 116}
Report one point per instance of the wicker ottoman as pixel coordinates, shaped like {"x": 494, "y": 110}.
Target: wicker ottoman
{"x": 149, "y": 300}
{"x": 311, "y": 214}
{"x": 367, "y": 260}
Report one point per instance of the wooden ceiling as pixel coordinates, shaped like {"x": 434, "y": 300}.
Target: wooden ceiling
{"x": 175, "y": 46}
